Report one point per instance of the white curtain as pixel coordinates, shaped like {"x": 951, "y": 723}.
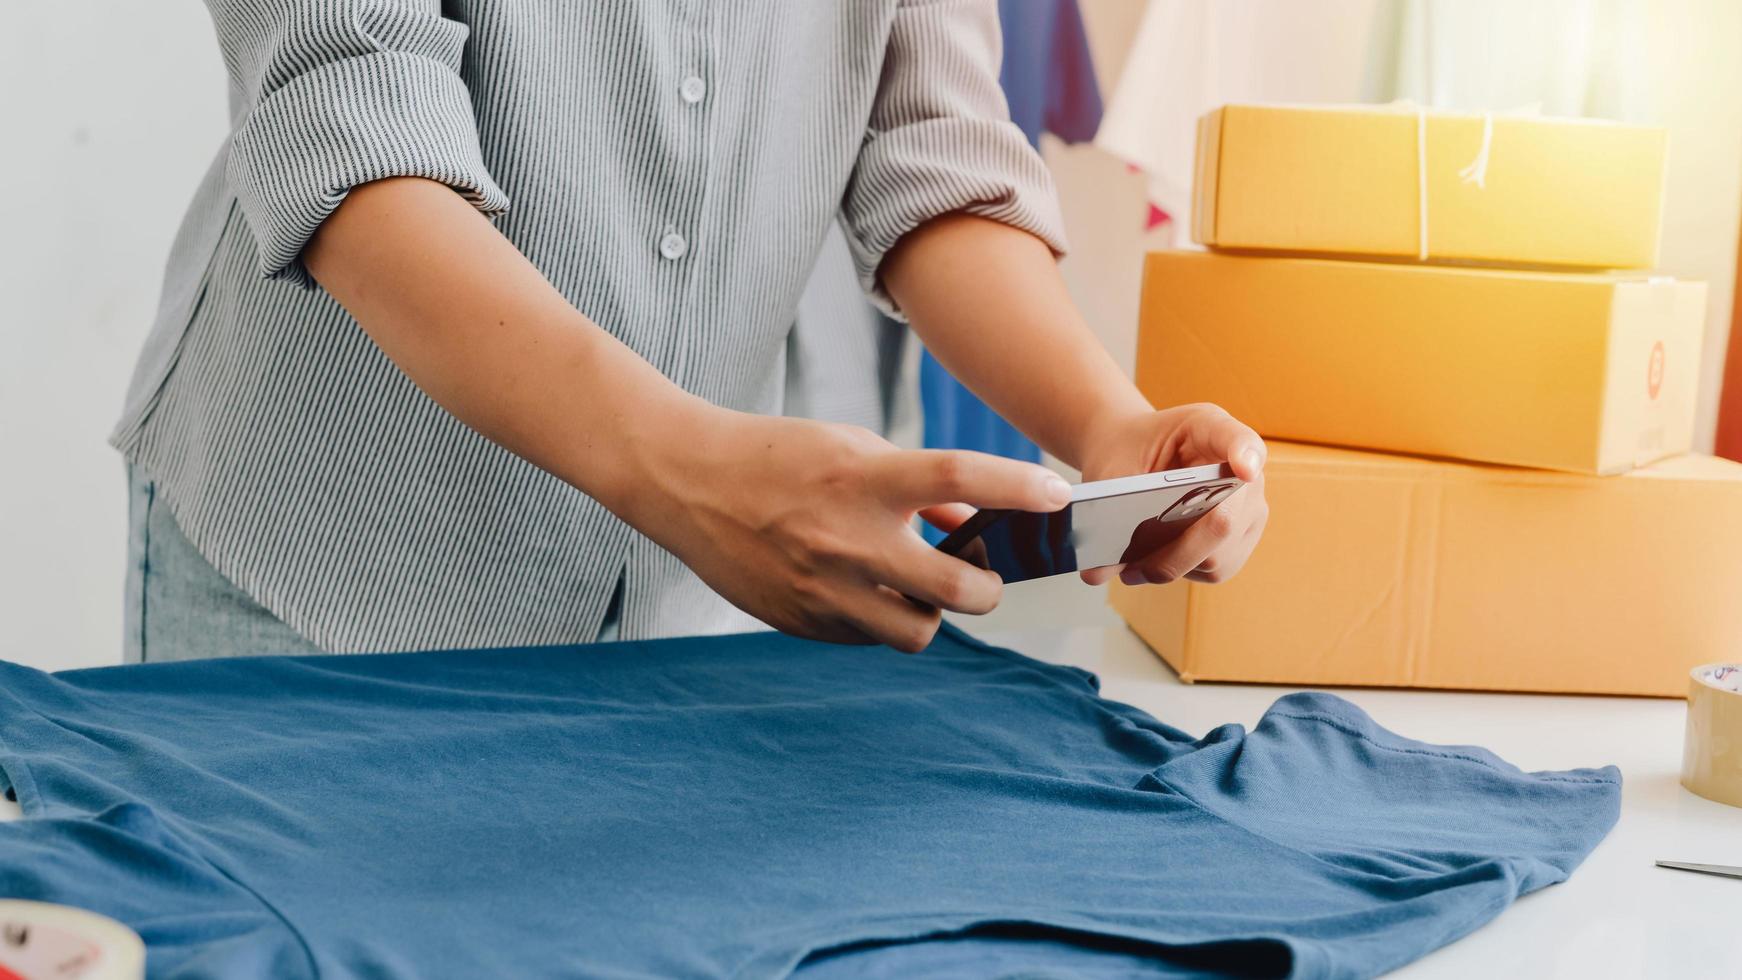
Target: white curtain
{"x": 1562, "y": 57}
{"x": 1191, "y": 56}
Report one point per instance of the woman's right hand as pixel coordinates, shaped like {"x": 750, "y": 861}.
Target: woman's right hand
{"x": 802, "y": 524}
{"x": 808, "y": 526}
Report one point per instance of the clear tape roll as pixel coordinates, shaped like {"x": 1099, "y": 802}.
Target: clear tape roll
{"x": 40, "y": 941}
{"x": 1712, "y": 751}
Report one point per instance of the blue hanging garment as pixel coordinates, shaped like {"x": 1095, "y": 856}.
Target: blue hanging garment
{"x": 1048, "y": 75}
{"x": 1049, "y": 82}
{"x": 750, "y": 806}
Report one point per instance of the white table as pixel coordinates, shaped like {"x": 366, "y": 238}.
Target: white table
{"x": 1618, "y": 917}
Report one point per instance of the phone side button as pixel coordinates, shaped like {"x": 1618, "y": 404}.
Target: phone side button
{"x": 1176, "y": 477}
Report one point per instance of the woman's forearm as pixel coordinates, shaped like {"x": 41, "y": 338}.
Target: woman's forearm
{"x": 803, "y": 524}
{"x": 475, "y": 325}
{"x": 990, "y": 304}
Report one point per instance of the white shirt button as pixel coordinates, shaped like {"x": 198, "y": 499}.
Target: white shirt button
{"x": 672, "y": 246}
{"x": 692, "y": 89}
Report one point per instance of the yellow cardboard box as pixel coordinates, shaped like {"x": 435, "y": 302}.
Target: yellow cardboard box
{"x": 1404, "y": 572}
{"x": 1591, "y": 373}
{"x": 1498, "y": 188}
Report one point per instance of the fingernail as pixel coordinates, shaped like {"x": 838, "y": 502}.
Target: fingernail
{"x": 1058, "y": 492}
{"x": 1253, "y": 460}
{"x": 1132, "y": 576}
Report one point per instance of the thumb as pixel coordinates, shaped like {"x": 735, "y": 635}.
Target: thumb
{"x": 1228, "y": 438}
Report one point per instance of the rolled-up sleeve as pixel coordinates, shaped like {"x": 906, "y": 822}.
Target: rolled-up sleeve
{"x": 940, "y": 140}
{"x": 337, "y": 93}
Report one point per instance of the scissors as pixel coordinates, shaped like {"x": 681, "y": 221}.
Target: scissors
{"x": 1721, "y": 870}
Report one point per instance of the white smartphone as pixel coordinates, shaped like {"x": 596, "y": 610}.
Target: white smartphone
{"x": 1107, "y": 522}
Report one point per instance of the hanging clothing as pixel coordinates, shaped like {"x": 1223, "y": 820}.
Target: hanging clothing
{"x": 1727, "y": 440}
{"x": 1190, "y": 56}
{"x": 749, "y": 806}
{"x": 1048, "y": 73}
{"x": 1562, "y": 57}
{"x": 1048, "y": 76}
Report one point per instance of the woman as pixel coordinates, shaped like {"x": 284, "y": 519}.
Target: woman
{"x": 472, "y": 335}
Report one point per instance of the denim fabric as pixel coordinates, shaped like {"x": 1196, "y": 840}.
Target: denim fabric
{"x": 178, "y": 607}
{"x": 749, "y": 806}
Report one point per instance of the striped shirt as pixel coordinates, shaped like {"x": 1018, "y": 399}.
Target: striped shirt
{"x": 672, "y": 166}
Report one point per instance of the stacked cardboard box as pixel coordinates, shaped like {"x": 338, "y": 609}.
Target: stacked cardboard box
{"x": 1443, "y": 290}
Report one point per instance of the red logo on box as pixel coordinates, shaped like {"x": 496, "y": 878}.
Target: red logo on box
{"x": 1654, "y": 370}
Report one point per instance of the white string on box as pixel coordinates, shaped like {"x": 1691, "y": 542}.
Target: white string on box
{"x": 1421, "y": 182}
{"x": 1475, "y": 172}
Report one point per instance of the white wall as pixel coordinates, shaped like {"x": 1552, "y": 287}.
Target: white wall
{"x": 109, "y": 113}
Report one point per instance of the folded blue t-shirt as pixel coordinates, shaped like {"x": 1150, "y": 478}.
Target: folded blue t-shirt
{"x": 750, "y": 806}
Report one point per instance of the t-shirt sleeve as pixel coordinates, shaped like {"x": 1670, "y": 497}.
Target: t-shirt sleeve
{"x": 940, "y": 140}
{"x": 123, "y": 863}
{"x": 1318, "y": 775}
{"x": 337, "y": 93}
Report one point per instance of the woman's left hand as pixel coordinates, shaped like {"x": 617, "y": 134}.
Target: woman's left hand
{"x": 1215, "y": 547}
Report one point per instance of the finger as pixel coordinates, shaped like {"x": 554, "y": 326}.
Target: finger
{"x": 845, "y": 634}
{"x": 894, "y": 620}
{"x": 1219, "y": 526}
{"x": 1168, "y": 564}
{"x": 1219, "y": 567}
{"x": 946, "y": 517}
{"x": 930, "y": 576}
{"x": 1247, "y": 510}
{"x": 1225, "y": 437}
{"x": 1228, "y": 562}
{"x": 1101, "y": 575}
{"x": 923, "y": 477}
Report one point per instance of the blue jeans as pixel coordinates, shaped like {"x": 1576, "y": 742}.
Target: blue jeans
{"x": 178, "y": 607}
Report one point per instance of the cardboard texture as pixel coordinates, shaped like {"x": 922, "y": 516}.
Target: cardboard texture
{"x": 1405, "y": 572}
{"x": 1589, "y": 373}
{"x": 1501, "y": 189}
